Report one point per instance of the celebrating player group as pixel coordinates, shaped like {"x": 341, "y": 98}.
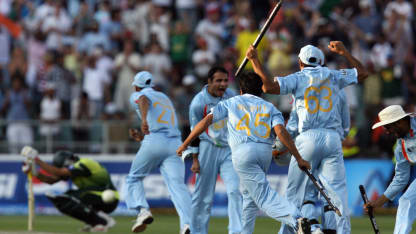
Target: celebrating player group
{"x": 237, "y": 137}
{"x": 232, "y": 135}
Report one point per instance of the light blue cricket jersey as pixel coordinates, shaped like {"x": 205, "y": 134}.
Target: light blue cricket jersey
{"x": 161, "y": 115}
{"x": 316, "y": 90}
{"x": 250, "y": 119}
{"x": 402, "y": 170}
{"x": 201, "y": 105}
{"x": 343, "y": 115}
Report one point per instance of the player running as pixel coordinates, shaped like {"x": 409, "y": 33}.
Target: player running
{"x": 159, "y": 138}
{"x": 214, "y": 156}
{"x": 91, "y": 178}
{"x": 250, "y": 123}
{"x": 403, "y": 126}
{"x": 315, "y": 90}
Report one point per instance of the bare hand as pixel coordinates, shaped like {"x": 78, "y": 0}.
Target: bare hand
{"x": 368, "y": 206}
{"x": 251, "y": 53}
{"x": 145, "y": 128}
{"x": 195, "y": 166}
{"x": 180, "y": 150}
{"x": 337, "y": 47}
{"x": 304, "y": 164}
{"x": 276, "y": 154}
{"x": 135, "y": 134}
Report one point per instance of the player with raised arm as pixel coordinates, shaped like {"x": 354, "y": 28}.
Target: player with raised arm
{"x": 281, "y": 156}
{"x": 402, "y": 126}
{"x": 159, "y": 138}
{"x": 252, "y": 123}
{"x": 214, "y": 156}
{"x": 315, "y": 89}
{"x": 85, "y": 203}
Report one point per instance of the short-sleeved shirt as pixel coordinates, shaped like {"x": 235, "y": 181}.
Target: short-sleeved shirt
{"x": 343, "y": 115}
{"x": 315, "y": 91}
{"x": 250, "y": 119}
{"x": 161, "y": 115}
{"x": 404, "y": 147}
{"x": 201, "y": 106}
{"x": 89, "y": 174}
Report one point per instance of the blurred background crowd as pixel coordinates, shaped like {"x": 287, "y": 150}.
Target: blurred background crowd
{"x": 66, "y": 67}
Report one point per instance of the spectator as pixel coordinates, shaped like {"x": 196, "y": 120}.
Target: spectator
{"x": 368, "y": 23}
{"x": 17, "y": 106}
{"x": 202, "y": 58}
{"x": 180, "y": 48}
{"x": 158, "y": 63}
{"x": 4, "y": 47}
{"x": 62, "y": 80}
{"x": 182, "y": 100}
{"x": 126, "y": 64}
{"x": 159, "y": 23}
{"x": 381, "y": 51}
{"x": 187, "y": 11}
{"x": 36, "y": 49}
{"x": 397, "y": 26}
{"x": 134, "y": 18}
{"x": 96, "y": 84}
{"x": 246, "y": 37}
{"x": 114, "y": 30}
{"x": 80, "y": 115}
{"x": 18, "y": 63}
{"x": 55, "y": 24}
{"x": 211, "y": 28}
{"x": 50, "y": 114}
{"x": 93, "y": 39}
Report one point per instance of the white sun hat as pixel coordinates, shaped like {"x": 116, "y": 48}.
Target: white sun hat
{"x": 311, "y": 55}
{"x": 390, "y": 115}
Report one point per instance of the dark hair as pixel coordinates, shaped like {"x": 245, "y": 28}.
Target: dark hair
{"x": 215, "y": 69}
{"x": 307, "y": 65}
{"x": 250, "y": 83}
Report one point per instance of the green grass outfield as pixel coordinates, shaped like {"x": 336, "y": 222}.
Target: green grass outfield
{"x": 166, "y": 224}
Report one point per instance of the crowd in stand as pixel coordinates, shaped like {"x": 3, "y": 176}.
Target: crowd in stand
{"x": 73, "y": 61}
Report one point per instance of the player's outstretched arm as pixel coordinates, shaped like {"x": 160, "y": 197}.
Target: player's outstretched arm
{"x": 198, "y": 130}
{"x": 56, "y": 171}
{"x": 377, "y": 203}
{"x": 287, "y": 141}
{"x": 49, "y": 179}
{"x": 339, "y": 48}
{"x": 268, "y": 85}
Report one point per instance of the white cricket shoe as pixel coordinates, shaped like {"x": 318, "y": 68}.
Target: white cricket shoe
{"x": 143, "y": 218}
{"x": 304, "y": 227}
{"x": 186, "y": 229}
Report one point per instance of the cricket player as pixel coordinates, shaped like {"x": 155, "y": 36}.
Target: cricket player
{"x": 160, "y": 138}
{"x": 91, "y": 178}
{"x": 252, "y": 123}
{"x": 316, "y": 89}
{"x": 403, "y": 126}
{"x": 309, "y": 207}
{"x": 214, "y": 156}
